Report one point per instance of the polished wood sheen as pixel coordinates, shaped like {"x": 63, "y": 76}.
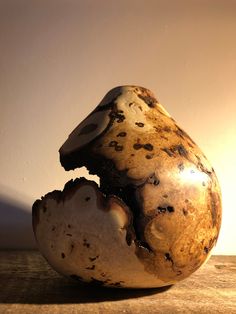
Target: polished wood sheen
{"x": 29, "y": 285}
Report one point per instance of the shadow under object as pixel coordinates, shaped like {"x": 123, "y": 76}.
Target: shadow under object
{"x": 15, "y": 225}
{"x": 30, "y": 280}
{"x": 30, "y": 286}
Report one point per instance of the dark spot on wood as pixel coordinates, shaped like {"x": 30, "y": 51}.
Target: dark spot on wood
{"x": 206, "y": 249}
{"x": 117, "y": 115}
{"x": 91, "y": 268}
{"x": 76, "y": 277}
{"x": 97, "y": 282}
{"x": 170, "y": 209}
{"x": 164, "y": 209}
{"x": 121, "y": 119}
{"x": 168, "y": 151}
{"x": 88, "y": 129}
{"x": 150, "y": 101}
{"x": 93, "y": 258}
{"x": 149, "y": 156}
{"x": 202, "y": 168}
{"x": 148, "y": 146}
{"x": 165, "y": 196}
{"x": 69, "y": 234}
{"x": 69, "y": 226}
{"x": 160, "y": 111}
{"x": 153, "y": 179}
{"x": 212, "y": 242}
{"x": 186, "y": 201}
{"x": 87, "y": 198}
{"x": 52, "y": 246}
{"x": 161, "y": 209}
{"x": 130, "y": 104}
{"x": 185, "y": 212}
{"x": 168, "y": 257}
{"x": 181, "y": 133}
{"x": 181, "y": 167}
{"x": 86, "y": 244}
{"x": 164, "y": 137}
{"x": 118, "y": 148}
{"x": 113, "y": 144}
{"x": 167, "y": 129}
{"x": 220, "y": 266}
{"x": 53, "y": 228}
{"x": 157, "y": 128}
{"x": 181, "y": 150}
{"x": 44, "y": 208}
{"x": 137, "y": 146}
{"x": 117, "y": 284}
{"x": 63, "y": 255}
{"x": 132, "y": 155}
{"x": 121, "y": 134}
{"x": 139, "y": 124}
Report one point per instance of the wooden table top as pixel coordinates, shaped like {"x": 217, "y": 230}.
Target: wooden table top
{"x": 29, "y": 285}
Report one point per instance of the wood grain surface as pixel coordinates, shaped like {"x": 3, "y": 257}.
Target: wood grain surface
{"x": 29, "y": 285}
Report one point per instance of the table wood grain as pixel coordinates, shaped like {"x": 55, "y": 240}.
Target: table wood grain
{"x": 29, "y": 285}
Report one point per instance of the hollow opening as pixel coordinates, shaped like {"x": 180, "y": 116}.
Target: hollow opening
{"x": 110, "y": 182}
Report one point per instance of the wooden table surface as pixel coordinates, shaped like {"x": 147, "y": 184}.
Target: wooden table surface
{"x": 29, "y": 285}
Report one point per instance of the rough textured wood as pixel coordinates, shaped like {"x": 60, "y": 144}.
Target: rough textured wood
{"x": 29, "y": 285}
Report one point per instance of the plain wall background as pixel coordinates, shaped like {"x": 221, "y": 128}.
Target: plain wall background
{"x": 59, "y": 58}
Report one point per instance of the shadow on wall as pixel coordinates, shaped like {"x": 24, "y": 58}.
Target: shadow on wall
{"x": 15, "y": 225}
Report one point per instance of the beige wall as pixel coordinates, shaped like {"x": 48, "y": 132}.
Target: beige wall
{"x": 58, "y": 59}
